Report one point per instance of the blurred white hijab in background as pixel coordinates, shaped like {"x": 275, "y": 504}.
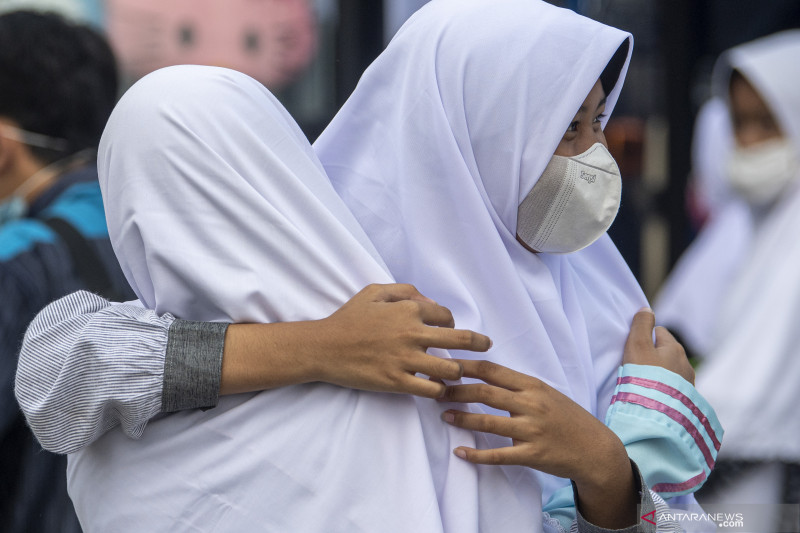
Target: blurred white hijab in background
{"x": 751, "y": 373}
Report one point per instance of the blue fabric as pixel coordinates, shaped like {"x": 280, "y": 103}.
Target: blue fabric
{"x": 664, "y": 450}
{"x": 20, "y": 236}
{"x": 673, "y": 462}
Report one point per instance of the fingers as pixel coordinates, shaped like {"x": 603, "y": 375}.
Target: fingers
{"x": 664, "y": 338}
{"x": 498, "y": 375}
{"x": 498, "y": 425}
{"x": 439, "y": 368}
{"x": 435, "y": 315}
{"x": 457, "y": 339}
{"x": 428, "y": 310}
{"x": 425, "y": 388}
{"x": 673, "y": 351}
{"x": 493, "y": 456}
{"x": 492, "y": 396}
{"x": 395, "y": 292}
{"x": 641, "y": 334}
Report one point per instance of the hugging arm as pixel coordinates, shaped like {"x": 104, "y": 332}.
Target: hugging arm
{"x": 87, "y": 365}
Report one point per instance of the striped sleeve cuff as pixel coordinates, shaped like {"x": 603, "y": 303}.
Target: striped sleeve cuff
{"x": 668, "y": 428}
{"x": 193, "y": 365}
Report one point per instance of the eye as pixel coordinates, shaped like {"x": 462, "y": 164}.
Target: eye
{"x": 599, "y": 117}
{"x": 573, "y": 127}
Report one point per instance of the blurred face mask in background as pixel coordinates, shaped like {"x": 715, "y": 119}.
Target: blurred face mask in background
{"x": 573, "y": 203}
{"x": 760, "y": 173}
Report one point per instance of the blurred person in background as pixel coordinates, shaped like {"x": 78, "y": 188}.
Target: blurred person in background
{"x": 749, "y": 352}
{"x": 58, "y": 84}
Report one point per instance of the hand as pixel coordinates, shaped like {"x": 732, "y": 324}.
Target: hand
{"x": 666, "y": 352}
{"x": 550, "y": 433}
{"x": 378, "y": 341}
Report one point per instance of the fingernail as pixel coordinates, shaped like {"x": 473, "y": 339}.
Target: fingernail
{"x": 491, "y": 343}
{"x": 646, "y": 310}
{"x": 460, "y": 453}
{"x": 448, "y": 417}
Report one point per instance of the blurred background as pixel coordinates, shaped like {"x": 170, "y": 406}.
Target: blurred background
{"x": 311, "y": 53}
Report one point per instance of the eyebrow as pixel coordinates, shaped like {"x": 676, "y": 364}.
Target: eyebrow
{"x": 599, "y": 105}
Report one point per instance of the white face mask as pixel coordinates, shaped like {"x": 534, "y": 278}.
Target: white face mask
{"x": 760, "y": 173}
{"x": 573, "y": 203}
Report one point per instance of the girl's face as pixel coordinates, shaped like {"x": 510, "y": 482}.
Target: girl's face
{"x": 584, "y": 130}
{"x": 753, "y": 122}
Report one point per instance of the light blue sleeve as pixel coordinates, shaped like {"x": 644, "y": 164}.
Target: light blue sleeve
{"x": 667, "y": 427}
{"x": 669, "y": 431}
{"x": 560, "y": 513}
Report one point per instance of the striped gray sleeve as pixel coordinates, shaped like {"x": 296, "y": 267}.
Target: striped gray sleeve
{"x": 193, "y": 365}
{"x": 86, "y": 366}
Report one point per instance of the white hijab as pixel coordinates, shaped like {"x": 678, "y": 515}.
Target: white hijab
{"x": 751, "y": 377}
{"x": 253, "y": 232}
{"x": 446, "y": 133}
{"x": 219, "y": 210}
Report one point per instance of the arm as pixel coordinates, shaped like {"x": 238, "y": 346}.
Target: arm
{"x": 542, "y": 441}
{"x": 550, "y": 433}
{"x": 376, "y": 341}
{"x": 87, "y": 366}
{"x": 667, "y": 427}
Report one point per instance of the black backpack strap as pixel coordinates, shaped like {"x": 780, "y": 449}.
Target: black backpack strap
{"x": 87, "y": 264}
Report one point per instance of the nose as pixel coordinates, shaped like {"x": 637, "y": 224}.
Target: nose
{"x": 589, "y": 137}
{"x": 749, "y": 135}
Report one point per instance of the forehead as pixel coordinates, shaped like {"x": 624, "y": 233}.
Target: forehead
{"x": 593, "y": 99}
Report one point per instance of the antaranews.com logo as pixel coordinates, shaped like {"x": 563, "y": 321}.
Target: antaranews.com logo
{"x": 730, "y": 518}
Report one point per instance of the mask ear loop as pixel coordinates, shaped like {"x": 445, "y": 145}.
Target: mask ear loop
{"x": 31, "y": 138}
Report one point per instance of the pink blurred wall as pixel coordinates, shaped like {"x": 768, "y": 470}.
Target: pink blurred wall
{"x": 271, "y": 40}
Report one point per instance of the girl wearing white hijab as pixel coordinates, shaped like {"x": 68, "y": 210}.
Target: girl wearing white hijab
{"x": 751, "y": 364}
{"x": 445, "y": 158}
{"x": 286, "y": 248}
{"x": 388, "y": 457}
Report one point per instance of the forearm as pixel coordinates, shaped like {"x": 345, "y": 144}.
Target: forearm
{"x": 608, "y": 495}
{"x": 265, "y": 356}
{"x": 644, "y": 505}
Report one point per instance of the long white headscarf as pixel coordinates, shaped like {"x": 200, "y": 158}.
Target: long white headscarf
{"x": 445, "y": 179}
{"x": 219, "y": 210}
{"x": 446, "y": 133}
{"x": 751, "y": 377}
